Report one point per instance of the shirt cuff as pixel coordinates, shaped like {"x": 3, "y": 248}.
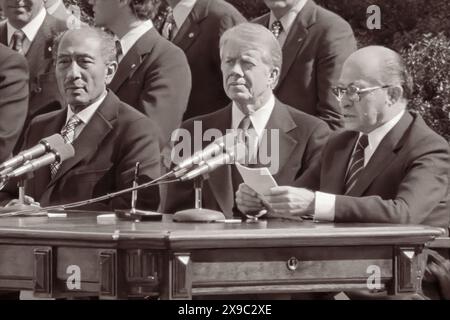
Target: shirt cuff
{"x": 324, "y": 206}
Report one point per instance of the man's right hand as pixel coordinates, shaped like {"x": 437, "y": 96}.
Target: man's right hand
{"x": 247, "y": 200}
{"x": 28, "y": 201}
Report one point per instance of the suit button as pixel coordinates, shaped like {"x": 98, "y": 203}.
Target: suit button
{"x": 38, "y": 90}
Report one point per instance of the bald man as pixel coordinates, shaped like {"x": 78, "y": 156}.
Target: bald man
{"x": 389, "y": 167}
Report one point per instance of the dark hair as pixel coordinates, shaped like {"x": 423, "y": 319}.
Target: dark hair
{"x": 144, "y": 9}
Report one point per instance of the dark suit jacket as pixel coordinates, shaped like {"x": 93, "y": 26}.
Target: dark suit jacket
{"x": 199, "y": 38}
{"x": 106, "y": 151}
{"x": 44, "y": 94}
{"x": 154, "y": 77}
{"x": 301, "y": 138}
{"x": 317, "y": 45}
{"x": 13, "y": 98}
{"x": 405, "y": 181}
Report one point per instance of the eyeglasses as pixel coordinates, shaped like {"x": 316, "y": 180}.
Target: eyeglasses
{"x": 353, "y": 92}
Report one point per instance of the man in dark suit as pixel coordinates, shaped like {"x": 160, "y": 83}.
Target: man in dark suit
{"x": 196, "y": 28}
{"x": 14, "y": 99}
{"x": 153, "y": 74}
{"x": 108, "y": 136}
{"x": 30, "y": 31}
{"x": 391, "y": 168}
{"x": 251, "y": 61}
{"x": 315, "y": 43}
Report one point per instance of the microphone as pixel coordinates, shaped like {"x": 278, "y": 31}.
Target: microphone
{"x": 60, "y": 152}
{"x": 213, "y": 148}
{"x": 233, "y": 154}
{"x": 44, "y": 146}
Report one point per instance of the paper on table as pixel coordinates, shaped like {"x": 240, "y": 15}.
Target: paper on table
{"x": 259, "y": 179}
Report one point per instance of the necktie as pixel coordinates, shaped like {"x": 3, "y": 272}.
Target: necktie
{"x": 68, "y": 134}
{"x": 168, "y": 30}
{"x": 17, "y": 41}
{"x": 119, "y": 51}
{"x": 244, "y": 135}
{"x": 276, "y": 28}
{"x": 356, "y": 163}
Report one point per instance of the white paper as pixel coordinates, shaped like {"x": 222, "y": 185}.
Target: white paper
{"x": 259, "y": 179}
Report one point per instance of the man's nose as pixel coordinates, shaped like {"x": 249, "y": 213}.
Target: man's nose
{"x": 236, "y": 69}
{"x": 74, "y": 71}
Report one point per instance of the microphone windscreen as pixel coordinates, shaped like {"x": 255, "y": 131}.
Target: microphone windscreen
{"x": 238, "y": 152}
{"x": 65, "y": 150}
{"x": 53, "y": 140}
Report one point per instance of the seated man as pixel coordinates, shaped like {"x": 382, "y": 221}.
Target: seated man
{"x": 108, "y": 136}
{"x": 251, "y": 61}
{"x": 390, "y": 168}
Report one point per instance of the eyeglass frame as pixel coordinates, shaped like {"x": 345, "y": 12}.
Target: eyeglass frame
{"x": 335, "y": 89}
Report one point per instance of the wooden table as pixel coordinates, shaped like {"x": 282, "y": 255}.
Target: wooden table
{"x": 76, "y": 255}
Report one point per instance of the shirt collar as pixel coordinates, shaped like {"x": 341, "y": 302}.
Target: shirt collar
{"x": 182, "y": 10}
{"x": 376, "y": 135}
{"x": 31, "y": 29}
{"x": 52, "y": 9}
{"x": 259, "y": 118}
{"x": 288, "y": 19}
{"x": 87, "y": 113}
{"x": 132, "y": 36}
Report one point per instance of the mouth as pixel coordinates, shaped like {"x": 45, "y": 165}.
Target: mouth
{"x": 349, "y": 116}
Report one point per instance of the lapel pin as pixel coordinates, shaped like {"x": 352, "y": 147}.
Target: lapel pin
{"x": 133, "y": 66}
{"x": 191, "y": 35}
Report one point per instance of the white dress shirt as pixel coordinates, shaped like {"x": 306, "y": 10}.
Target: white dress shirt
{"x": 287, "y": 20}
{"x": 132, "y": 36}
{"x": 30, "y": 30}
{"x": 258, "y": 118}
{"x": 84, "y": 115}
{"x": 180, "y": 13}
{"x": 325, "y": 203}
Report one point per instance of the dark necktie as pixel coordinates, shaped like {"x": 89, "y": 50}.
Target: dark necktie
{"x": 169, "y": 26}
{"x": 276, "y": 28}
{"x": 17, "y": 41}
{"x": 357, "y": 163}
{"x": 119, "y": 51}
{"x": 68, "y": 134}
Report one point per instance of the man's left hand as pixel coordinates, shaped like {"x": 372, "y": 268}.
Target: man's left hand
{"x": 290, "y": 200}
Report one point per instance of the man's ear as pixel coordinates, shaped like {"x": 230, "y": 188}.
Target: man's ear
{"x": 111, "y": 69}
{"x": 395, "y": 93}
{"x": 273, "y": 77}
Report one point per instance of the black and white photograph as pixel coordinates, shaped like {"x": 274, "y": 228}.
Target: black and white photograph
{"x": 225, "y": 154}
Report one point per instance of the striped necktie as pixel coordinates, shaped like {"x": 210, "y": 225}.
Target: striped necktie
{"x": 169, "y": 26}
{"x": 17, "y": 41}
{"x": 356, "y": 164}
{"x": 68, "y": 134}
{"x": 276, "y": 28}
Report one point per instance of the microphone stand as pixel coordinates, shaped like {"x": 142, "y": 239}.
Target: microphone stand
{"x": 198, "y": 214}
{"x": 21, "y": 206}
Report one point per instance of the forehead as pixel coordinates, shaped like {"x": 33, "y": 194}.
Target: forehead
{"x": 236, "y": 47}
{"x": 77, "y": 43}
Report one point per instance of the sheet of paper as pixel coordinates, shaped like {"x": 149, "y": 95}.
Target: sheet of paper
{"x": 259, "y": 179}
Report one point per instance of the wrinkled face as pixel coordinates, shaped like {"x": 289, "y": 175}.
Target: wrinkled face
{"x": 106, "y": 11}
{"x": 280, "y": 4}
{"x": 247, "y": 79}
{"x": 369, "y": 112}
{"x": 21, "y": 12}
{"x": 81, "y": 71}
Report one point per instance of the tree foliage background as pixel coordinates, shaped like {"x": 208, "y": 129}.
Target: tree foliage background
{"x": 418, "y": 29}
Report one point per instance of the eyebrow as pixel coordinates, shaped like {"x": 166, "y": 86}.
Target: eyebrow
{"x": 77, "y": 55}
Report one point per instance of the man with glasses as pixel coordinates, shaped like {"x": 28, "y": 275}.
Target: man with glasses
{"x": 390, "y": 167}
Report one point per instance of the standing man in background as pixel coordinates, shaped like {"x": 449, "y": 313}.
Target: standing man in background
{"x": 196, "y": 26}
{"x": 13, "y": 98}
{"x": 315, "y": 44}
{"x": 29, "y": 30}
{"x": 153, "y": 74}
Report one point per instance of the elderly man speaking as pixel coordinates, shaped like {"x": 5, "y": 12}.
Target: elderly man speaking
{"x": 390, "y": 168}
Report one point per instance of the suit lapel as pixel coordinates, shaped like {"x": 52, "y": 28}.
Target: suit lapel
{"x": 282, "y": 121}
{"x": 220, "y": 181}
{"x": 383, "y": 156}
{"x": 190, "y": 30}
{"x": 41, "y": 45}
{"x": 130, "y": 63}
{"x": 295, "y": 38}
{"x": 99, "y": 126}
{"x": 3, "y": 34}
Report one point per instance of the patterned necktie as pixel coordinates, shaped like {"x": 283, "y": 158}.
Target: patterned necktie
{"x": 168, "y": 30}
{"x": 357, "y": 163}
{"x": 68, "y": 134}
{"x": 276, "y": 28}
{"x": 119, "y": 51}
{"x": 17, "y": 41}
